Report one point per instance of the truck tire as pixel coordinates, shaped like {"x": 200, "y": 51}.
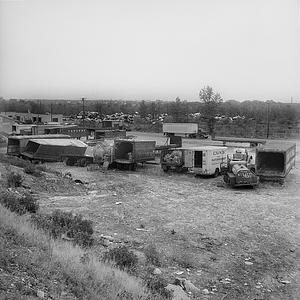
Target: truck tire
{"x": 70, "y": 161}
{"x": 217, "y": 172}
{"x": 165, "y": 168}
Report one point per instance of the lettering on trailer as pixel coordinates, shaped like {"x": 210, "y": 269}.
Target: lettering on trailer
{"x": 218, "y": 152}
{"x": 217, "y": 159}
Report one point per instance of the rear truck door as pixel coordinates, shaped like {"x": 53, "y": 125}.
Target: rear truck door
{"x": 206, "y": 162}
{"x": 188, "y": 158}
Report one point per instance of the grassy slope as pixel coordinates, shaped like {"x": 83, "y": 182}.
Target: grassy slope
{"x": 30, "y": 261}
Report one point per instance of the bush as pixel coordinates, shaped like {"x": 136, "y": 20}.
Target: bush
{"x": 33, "y": 170}
{"x": 14, "y": 179}
{"x": 19, "y": 204}
{"x": 152, "y": 255}
{"x": 156, "y": 284}
{"x": 61, "y": 223}
{"x": 123, "y": 258}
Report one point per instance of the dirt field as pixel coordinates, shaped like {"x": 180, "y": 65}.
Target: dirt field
{"x": 236, "y": 243}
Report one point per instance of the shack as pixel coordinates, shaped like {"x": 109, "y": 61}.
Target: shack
{"x": 17, "y": 143}
{"x": 53, "y": 149}
{"x": 274, "y": 161}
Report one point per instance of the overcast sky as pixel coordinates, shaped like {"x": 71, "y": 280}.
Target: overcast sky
{"x": 150, "y": 49}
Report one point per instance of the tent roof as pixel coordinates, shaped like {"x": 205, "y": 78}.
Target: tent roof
{"x": 59, "y": 142}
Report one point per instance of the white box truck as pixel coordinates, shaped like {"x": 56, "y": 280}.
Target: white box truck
{"x": 205, "y": 160}
{"x": 181, "y": 129}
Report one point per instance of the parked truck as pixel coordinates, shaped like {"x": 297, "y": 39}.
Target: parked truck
{"x": 119, "y": 153}
{"x": 274, "y": 161}
{"x": 205, "y": 160}
{"x": 128, "y": 153}
{"x": 239, "y": 174}
{"x": 190, "y": 130}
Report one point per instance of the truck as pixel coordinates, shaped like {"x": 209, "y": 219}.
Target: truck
{"x": 238, "y": 174}
{"x": 189, "y": 130}
{"x": 128, "y": 153}
{"x": 204, "y": 160}
{"x": 274, "y": 161}
{"x": 119, "y": 153}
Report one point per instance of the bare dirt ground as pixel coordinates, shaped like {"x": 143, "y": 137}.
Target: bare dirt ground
{"x": 236, "y": 243}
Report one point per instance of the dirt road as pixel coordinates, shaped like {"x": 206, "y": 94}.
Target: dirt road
{"x": 237, "y": 243}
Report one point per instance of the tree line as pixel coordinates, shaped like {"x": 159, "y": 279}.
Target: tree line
{"x": 209, "y": 106}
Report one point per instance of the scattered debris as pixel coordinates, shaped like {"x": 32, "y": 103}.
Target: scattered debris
{"x": 285, "y": 281}
{"x": 248, "y": 263}
{"x": 118, "y": 203}
{"x": 205, "y": 291}
{"x": 40, "y": 294}
{"x": 142, "y": 229}
{"x": 157, "y": 271}
{"x": 179, "y": 272}
{"x": 178, "y": 293}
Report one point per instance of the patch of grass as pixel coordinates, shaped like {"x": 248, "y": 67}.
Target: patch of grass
{"x": 123, "y": 258}
{"x": 33, "y": 170}
{"x": 20, "y": 204}
{"x": 61, "y": 223}
{"x": 157, "y": 284}
{"x": 184, "y": 260}
{"x": 91, "y": 280}
{"x": 152, "y": 255}
{"x": 14, "y": 179}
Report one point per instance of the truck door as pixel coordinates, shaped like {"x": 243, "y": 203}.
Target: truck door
{"x": 198, "y": 157}
{"x": 188, "y": 158}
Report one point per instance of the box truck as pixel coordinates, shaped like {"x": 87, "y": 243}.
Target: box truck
{"x": 205, "y": 160}
{"x": 274, "y": 161}
{"x": 190, "y": 130}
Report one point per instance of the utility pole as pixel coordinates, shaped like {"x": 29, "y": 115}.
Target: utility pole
{"x": 268, "y": 119}
{"x": 50, "y": 112}
{"x": 83, "y": 112}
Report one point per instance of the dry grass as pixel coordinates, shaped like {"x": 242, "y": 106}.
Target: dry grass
{"x": 90, "y": 280}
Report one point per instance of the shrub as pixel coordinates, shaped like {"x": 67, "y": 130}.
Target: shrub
{"x": 14, "y": 179}
{"x": 33, "y": 170}
{"x": 152, "y": 255}
{"x": 123, "y": 258}
{"x": 61, "y": 223}
{"x": 19, "y": 204}
{"x": 157, "y": 284}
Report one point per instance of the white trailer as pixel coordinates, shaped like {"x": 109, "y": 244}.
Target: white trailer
{"x": 180, "y": 129}
{"x": 205, "y": 160}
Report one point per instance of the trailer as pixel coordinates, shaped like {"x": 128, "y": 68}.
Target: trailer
{"x": 109, "y": 134}
{"x": 52, "y": 149}
{"x": 181, "y": 129}
{"x": 17, "y": 143}
{"x": 128, "y": 153}
{"x": 204, "y": 160}
{"x": 274, "y": 161}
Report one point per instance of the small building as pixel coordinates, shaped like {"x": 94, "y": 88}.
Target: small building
{"x": 34, "y": 118}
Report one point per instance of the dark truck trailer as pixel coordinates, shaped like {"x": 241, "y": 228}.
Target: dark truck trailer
{"x": 274, "y": 161}
{"x": 109, "y": 134}
{"x": 128, "y": 153}
{"x": 17, "y": 143}
{"x": 53, "y": 149}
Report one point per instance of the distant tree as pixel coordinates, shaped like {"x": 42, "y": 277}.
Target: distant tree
{"x": 143, "y": 109}
{"x": 211, "y": 104}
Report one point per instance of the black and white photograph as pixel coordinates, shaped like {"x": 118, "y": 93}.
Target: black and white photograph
{"x": 149, "y": 149}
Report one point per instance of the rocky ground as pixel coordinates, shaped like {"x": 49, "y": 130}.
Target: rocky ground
{"x": 230, "y": 243}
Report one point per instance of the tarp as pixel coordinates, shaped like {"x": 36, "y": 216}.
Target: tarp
{"x": 59, "y": 142}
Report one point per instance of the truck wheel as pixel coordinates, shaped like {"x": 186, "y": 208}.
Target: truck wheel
{"x": 217, "y": 172}
{"x": 165, "y": 168}
{"x": 179, "y": 169}
{"x": 83, "y": 162}
{"x": 70, "y": 161}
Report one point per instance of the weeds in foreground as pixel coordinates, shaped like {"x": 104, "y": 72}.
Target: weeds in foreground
{"x": 33, "y": 170}
{"x": 20, "y": 204}
{"x": 14, "y": 179}
{"x": 61, "y": 223}
{"x": 123, "y": 258}
{"x": 157, "y": 284}
{"x": 152, "y": 255}
{"x": 93, "y": 280}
